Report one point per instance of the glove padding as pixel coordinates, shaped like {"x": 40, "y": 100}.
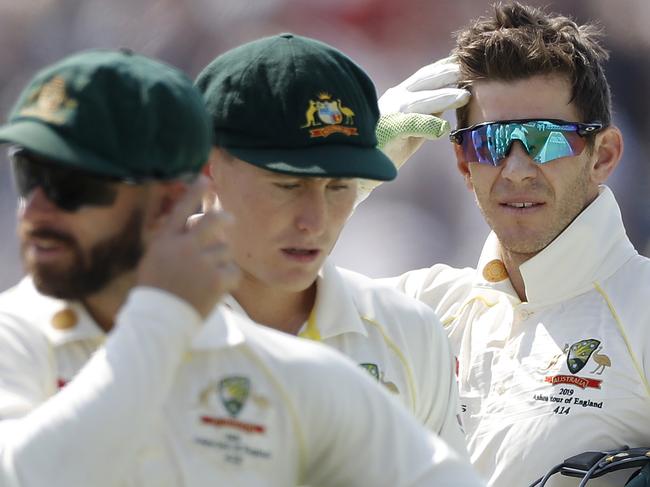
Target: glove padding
{"x": 410, "y": 113}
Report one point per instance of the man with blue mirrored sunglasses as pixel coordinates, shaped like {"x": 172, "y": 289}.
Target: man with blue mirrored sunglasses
{"x": 543, "y": 140}
{"x": 551, "y": 328}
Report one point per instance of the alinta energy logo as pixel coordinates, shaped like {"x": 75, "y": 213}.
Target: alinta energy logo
{"x": 325, "y": 116}
{"x": 578, "y": 355}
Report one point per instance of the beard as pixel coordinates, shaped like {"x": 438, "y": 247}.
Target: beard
{"x": 520, "y": 237}
{"x": 92, "y": 270}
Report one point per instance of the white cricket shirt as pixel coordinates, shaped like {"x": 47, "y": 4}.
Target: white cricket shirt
{"x": 398, "y": 340}
{"x": 560, "y": 374}
{"x": 165, "y": 400}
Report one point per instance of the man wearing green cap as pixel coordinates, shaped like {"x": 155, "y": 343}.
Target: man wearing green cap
{"x": 116, "y": 365}
{"x": 294, "y": 128}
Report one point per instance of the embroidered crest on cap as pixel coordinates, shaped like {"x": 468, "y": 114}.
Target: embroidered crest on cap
{"x": 50, "y": 102}
{"x": 327, "y": 116}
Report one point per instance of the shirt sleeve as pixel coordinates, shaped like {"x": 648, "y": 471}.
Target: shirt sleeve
{"x": 87, "y": 433}
{"x": 436, "y": 287}
{"x": 438, "y": 402}
{"x": 26, "y": 367}
{"x": 356, "y": 435}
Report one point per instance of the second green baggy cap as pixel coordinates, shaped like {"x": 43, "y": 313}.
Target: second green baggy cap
{"x": 113, "y": 113}
{"x": 295, "y": 105}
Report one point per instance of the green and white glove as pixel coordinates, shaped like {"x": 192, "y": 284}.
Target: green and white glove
{"x": 410, "y": 113}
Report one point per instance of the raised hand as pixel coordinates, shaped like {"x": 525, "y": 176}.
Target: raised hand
{"x": 191, "y": 261}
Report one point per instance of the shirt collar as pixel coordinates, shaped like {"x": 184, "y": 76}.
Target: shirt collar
{"x": 65, "y": 322}
{"x": 62, "y": 321}
{"x": 334, "y": 311}
{"x": 590, "y": 249}
{"x": 222, "y": 329}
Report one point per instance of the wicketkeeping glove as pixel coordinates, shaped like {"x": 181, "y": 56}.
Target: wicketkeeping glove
{"x": 410, "y": 111}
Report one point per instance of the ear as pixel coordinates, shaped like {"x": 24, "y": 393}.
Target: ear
{"x": 608, "y": 150}
{"x": 170, "y": 193}
{"x": 211, "y": 171}
{"x": 161, "y": 196}
{"x": 463, "y": 166}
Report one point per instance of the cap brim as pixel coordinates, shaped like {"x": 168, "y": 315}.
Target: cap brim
{"x": 326, "y": 161}
{"x": 41, "y": 139}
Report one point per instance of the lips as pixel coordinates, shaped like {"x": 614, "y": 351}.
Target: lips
{"x": 45, "y": 244}
{"x": 523, "y": 204}
{"x": 47, "y": 236}
{"x": 300, "y": 254}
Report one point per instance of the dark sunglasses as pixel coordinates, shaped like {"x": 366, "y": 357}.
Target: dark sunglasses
{"x": 544, "y": 139}
{"x": 66, "y": 187}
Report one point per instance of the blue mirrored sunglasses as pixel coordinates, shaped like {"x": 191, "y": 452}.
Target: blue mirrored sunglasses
{"x": 544, "y": 139}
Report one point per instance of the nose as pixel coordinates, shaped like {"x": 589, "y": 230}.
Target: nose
{"x": 312, "y": 212}
{"x": 518, "y": 165}
{"x": 36, "y": 204}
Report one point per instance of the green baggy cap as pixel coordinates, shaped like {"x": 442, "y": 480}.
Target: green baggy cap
{"x": 296, "y": 106}
{"x": 113, "y": 113}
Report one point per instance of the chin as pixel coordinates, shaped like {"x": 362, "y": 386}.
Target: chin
{"x": 296, "y": 282}
{"x": 525, "y": 245}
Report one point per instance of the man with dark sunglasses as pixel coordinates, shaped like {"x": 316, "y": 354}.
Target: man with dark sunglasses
{"x": 116, "y": 366}
{"x": 552, "y": 327}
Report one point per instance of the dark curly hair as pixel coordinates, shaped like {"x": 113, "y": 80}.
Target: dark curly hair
{"x": 521, "y": 41}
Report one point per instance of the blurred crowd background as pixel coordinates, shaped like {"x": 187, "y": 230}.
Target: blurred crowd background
{"x": 426, "y": 215}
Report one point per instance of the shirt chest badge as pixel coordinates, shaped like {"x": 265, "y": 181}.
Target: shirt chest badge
{"x": 373, "y": 370}
{"x": 231, "y": 421}
{"x": 578, "y": 355}
{"x": 584, "y": 357}
{"x": 231, "y": 393}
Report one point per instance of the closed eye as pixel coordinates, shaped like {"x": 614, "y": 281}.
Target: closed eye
{"x": 338, "y": 187}
{"x": 287, "y": 185}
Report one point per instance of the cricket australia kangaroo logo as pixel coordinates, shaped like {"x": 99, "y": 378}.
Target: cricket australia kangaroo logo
{"x": 325, "y": 116}
{"x": 233, "y": 392}
{"x": 579, "y": 354}
{"x": 373, "y": 370}
{"x": 577, "y": 357}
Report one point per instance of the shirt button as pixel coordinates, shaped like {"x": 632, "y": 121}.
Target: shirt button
{"x": 500, "y": 389}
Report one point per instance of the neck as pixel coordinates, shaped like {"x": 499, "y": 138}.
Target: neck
{"x": 104, "y": 305}
{"x": 283, "y": 310}
{"x": 512, "y": 261}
